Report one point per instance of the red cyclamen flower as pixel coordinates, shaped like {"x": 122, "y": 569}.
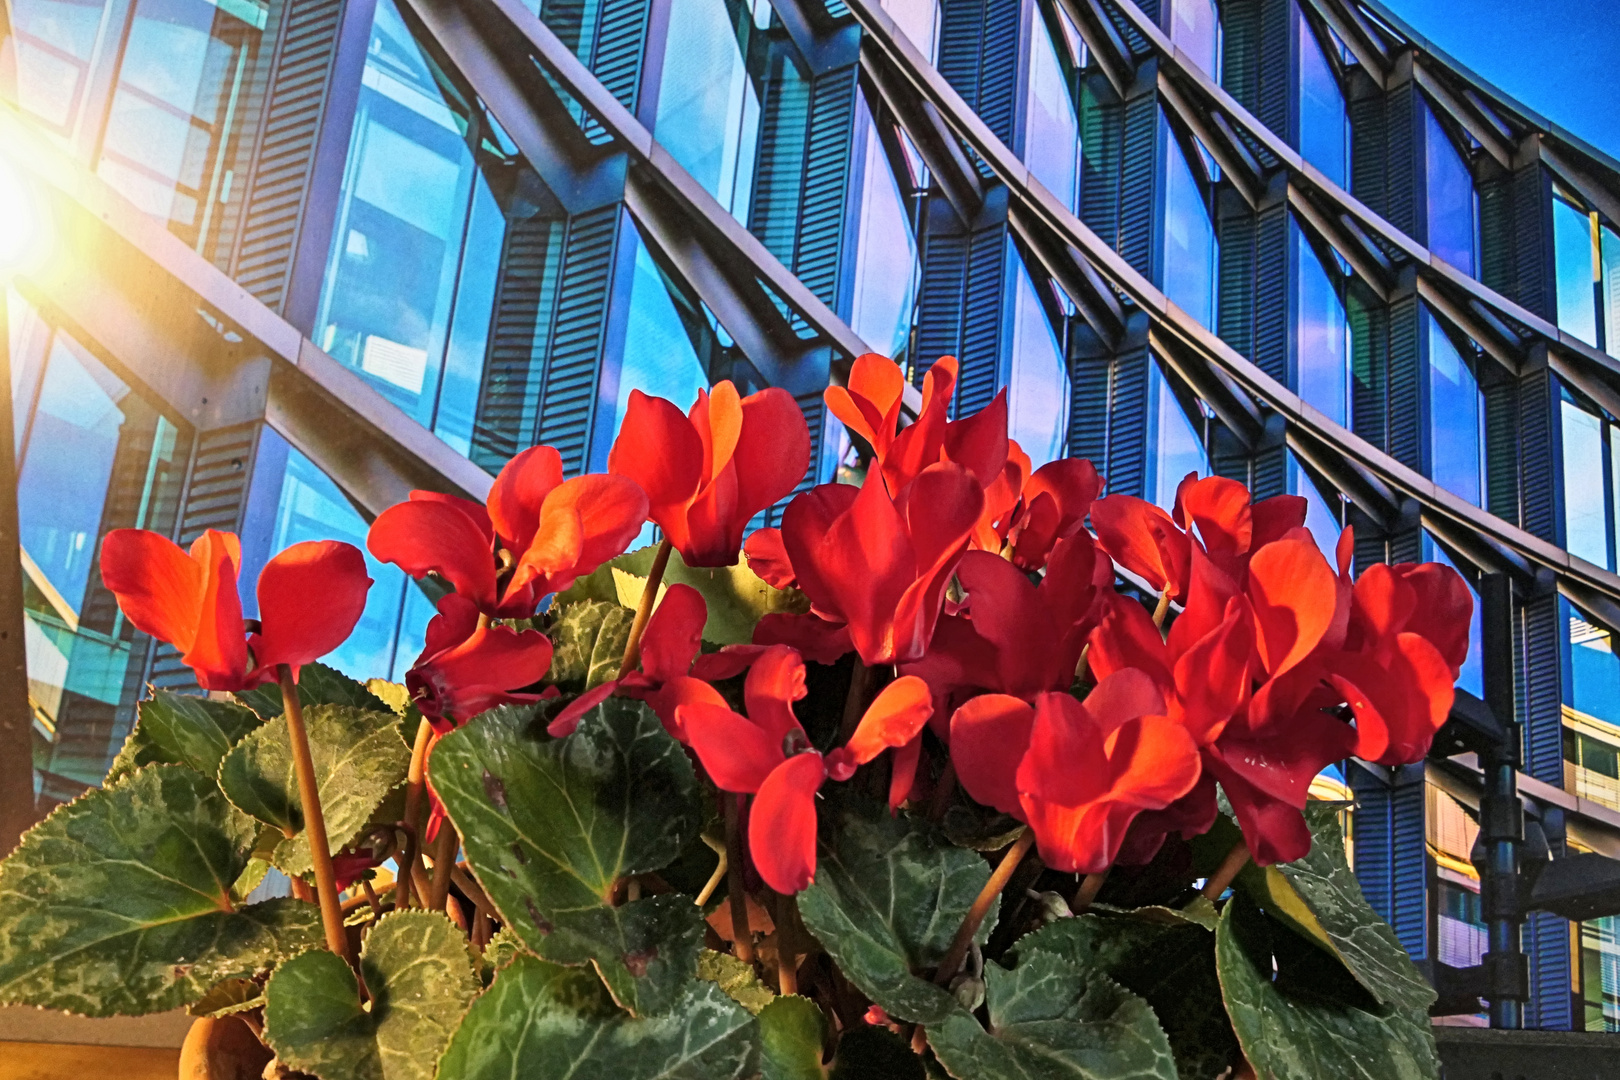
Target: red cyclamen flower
{"x": 468, "y": 665}
{"x": 310, "y": 597}
{"x": 706, "y": 473}
{"x": 767, "y": 754}
{"x": 551, "y": 532}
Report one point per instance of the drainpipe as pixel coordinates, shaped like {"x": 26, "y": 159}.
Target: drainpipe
{"x": 1501, "y": 816}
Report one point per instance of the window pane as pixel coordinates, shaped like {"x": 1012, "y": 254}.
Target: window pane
{"x": 1038, "y": 390}
{"x": 391, "y": 275}
{"x": 1451, "y": 198}
{"x": 1594, "y": 685}
{"x": 708, "y": 111}
{"x": 1322, "y": 335}
{"x": 886, "y": 260}
{"x": 1572, "y": 246}
{"x": 475, "y": 302}
{"x": 1321, "y": 517}
{"x": 1189, "y": 238}
{"x": 1174, "y": 446}
{"x": 658, "y": 355}
{"x": 1611, "y": 291}
{"x": 312, "y": 508}
{"x": 1454, "y": 417}
{"x": 47, "y": 57}
{"x": 1052, "y": 137}
{"x": 1323, "y": 128}
{"x": 1195, "y": 26}
{"x": 919, "y": 19}
{"x": 1586, "y": 528}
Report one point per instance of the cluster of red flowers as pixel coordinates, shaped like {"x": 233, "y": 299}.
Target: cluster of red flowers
{"x": 965, "y": 582}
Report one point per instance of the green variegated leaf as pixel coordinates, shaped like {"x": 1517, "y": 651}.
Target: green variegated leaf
{"x": 317, "y": 685}
{"x": 502, "y": 949}
{"x": 359, "y": 759}
{"x": 739, "y": 980}
{"x": 421, "y": 979}
{"x": 550, "y": 826}
{"x": 1167, "y": 958}
{"x": 791, "y": 1031}
{"x": 1320, "y": 897}
{"x": 888, "y": 897}
{"x": 181, "y": 730}
{"x": 228, "y": 998}
{"x": 544, "y": 1020}
{"x": 1299, "y": 1015}
{"x": 737, "y": 597}
{"x": 119, "y": 902}
{"x": 588, "y": 640}
{"x": 1051, "y": 1019}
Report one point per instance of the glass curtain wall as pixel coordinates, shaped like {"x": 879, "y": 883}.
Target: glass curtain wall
{"x": 1321, "y": 328}
{"x": 1052, "y": 127}
{"x": 1591, "y": 484}
{"x": 1456, "y": 416}
{"x": 1189, "y": 278}
{"x": 93, "y": 455}
{"x": 886, "y": 267}
{"x": 1324, "y": 126}
{"x": 1175, "y": 447}
{"x": 1038, "y": 383}
{"x": 46, "y": 59}
{"x": 1195, "y": 27}
{"x": 1452, "y": 205}
{"x": 1577, "y": 249}
{"x": 708, "y": 105}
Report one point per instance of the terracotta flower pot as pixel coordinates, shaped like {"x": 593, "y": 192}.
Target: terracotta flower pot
{"x": 223, "y": 1049}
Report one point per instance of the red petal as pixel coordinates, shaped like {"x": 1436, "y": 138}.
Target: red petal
{"x": 1209, "y": 589}
{"x": 1010, "y": 619}
{"x": 1073, "y": 482}
{"x": 1275, "y": 518}
{"x": 659, "y": 449}
{"x": 816, "y": 639}
{"x": 782, "y": 824}
{"x": 1212, "y": 677}
{"x": 310, "y": 598}
{"x": 1152, "y": 762}
{"x": 1065, "y": 763}
{"x": 518, "y": 492}
{"x": 728, "y": 663}
{"x": 895, "y": 717}
{"x": 1384, "y": 602}
{"x": 467, "y": 678}
{"x": 1141, "y": 538}
{"x": 218, "y": 653}
{"x": 1126, "y": 638}
{"x": 805, "y": 525}
{"x": 674, "y": 634}
{"x": 668, "y": 699}
{"x": 1294, "y": 593}
{"x": 603, "y": 511}
{"x": 1444, "y": 610}
{"x": 1123, "y": 696}
{"x": 565, "y": 722}
{"x": 768, "y": 558}
{"x": 989, "y": 736}
{"x": 978, "y": 443}
{"x": 476, "y": 512}
{"x": 775, "y": 682}
{"x": 430, "y": 536}
{"x": 737, "y": 754}
{"x": 862, "y": 566}
{"x": 870, "y": 405}
{"x": 773, "y": 451}
{"x": 903, "y": 773}
{"x": 940, "y": 507}
{"x": 159, "y": 587}
{"x": 1219, "y": 508}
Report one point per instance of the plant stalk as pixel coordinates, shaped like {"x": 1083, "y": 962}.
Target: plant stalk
{"x": 787, "y": 946}
{"x": 644, "y": 609}
{"x": 981, "y": 907}
{"x": 1163, "y": 609}
{"x": 742, "y": 936}
{"x": 860, "y": 684}
{"x": 415, "y": 782}
{"x": 946, "y": 787}
{"x": 1090, "y": 886}
{"x": 309, "y": 798}
{"x": 444, "y": 858}
{"x": 1235, "y": 860}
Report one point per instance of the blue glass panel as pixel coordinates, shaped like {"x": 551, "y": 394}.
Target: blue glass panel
{"x": 658, "y": 355}
{"x": 46, "y": 60}
{"x": 1321, "y": 336}
{"x": 1052, "y": 133}
{"x": 1472, "y": 675}
{"x": 708, "y": 112}
{"x": 1450, "y": 197}
{"x": 182, "y": 72}
{"x": 1572, "y": 247}
{"x": 312, "y": 508}
{"x": 469, "y": 333}
{"x": 1324, "y": 129}
{"x": 1038, "y": 385}
{"x": 1174, "y": 446}
{"x": 1611, "y": 291}
{"x": 390, "y": 279}
{"x": 1586, "y": 513}
{"x": 1189, "y": 237}
{"x": 1195, "y": 26}
{"x": 1320, "y": 517}
{"x": 1593, "y": 687}
{"x": 1456, "y": 416}
{"x": 886, "y": 258}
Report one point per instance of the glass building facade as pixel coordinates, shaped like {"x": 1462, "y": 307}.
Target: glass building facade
{"x": 1244, "y": 237}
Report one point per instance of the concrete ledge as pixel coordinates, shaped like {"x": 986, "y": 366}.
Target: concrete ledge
{"x": 1484, "y": 1054}
{"x": 25, "y": 1025}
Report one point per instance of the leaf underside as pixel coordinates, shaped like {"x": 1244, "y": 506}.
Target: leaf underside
{"x": 588, "y": 640}
{"x": 179, "y": 729}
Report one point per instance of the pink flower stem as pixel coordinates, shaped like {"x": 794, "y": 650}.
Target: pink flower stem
{"x": 742, "y": 935}
{"x": 644, "y": 609}
{"x": 309, "y": 799}
{"x": 1235, "y": 860}
{"x": 981, "y": 907}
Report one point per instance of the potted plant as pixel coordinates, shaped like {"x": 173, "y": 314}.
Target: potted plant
{"x": 937, "y": 782}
